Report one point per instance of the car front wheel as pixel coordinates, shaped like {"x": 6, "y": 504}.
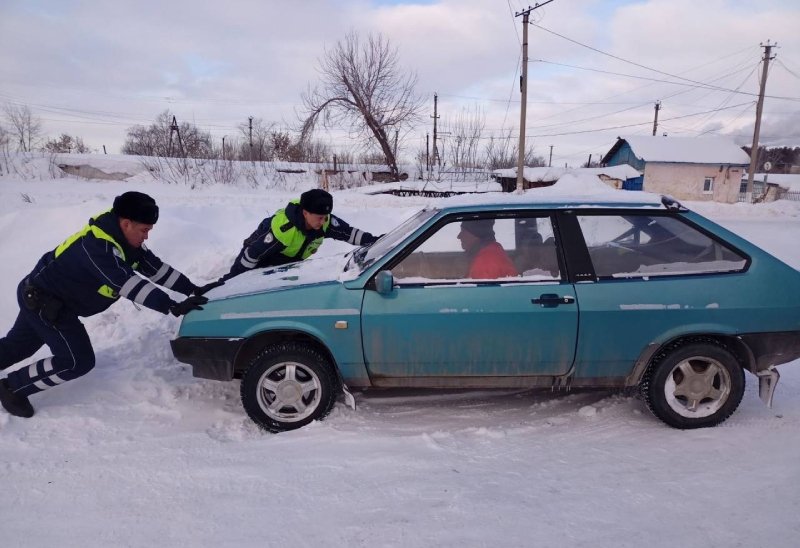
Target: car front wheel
{"x": 694, "y": 386}
{"x": 287, "y": 386}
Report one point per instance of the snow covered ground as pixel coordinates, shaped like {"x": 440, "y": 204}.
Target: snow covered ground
{"x": 139, "y": 453}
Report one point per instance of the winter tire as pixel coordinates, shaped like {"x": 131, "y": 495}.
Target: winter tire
{"x": 694, "y": 386}
{"x": 287, "y": 386}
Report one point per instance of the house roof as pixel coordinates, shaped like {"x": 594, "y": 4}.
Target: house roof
{"x": 683, "y": 150}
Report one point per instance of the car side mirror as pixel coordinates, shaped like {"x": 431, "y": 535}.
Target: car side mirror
{"x": 384, "y": 282}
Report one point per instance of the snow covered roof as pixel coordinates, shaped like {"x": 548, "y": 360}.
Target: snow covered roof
{"x": 547, "y": 174}
{"x": 790, "y": 181}
{"x": 685, "y": 150}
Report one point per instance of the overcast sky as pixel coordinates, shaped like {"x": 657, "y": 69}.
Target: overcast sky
{"x": 94, "y": 69}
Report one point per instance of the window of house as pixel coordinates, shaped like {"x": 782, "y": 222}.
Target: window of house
{"x": 708, "y": 185}
{"x": 628, "y": 246}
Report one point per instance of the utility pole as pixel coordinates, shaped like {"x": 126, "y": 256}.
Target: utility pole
{"x": 223, "y": 147}
{"x": 759, "y": 107}
{"x": 655, "y": 120}
{"x": 436, "y": 159}
{"x": 523, "y": 84}
{"x": 427, "y": 154}
{"x": 550, "y": 161}
{"x": 523, "y": 80}
{"x": 174, "y": 128}
{"x": 250, "y": 119}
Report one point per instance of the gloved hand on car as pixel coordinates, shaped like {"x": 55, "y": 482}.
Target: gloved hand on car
{"x": 203, "y": 289}
{"x": 191, "y": 303}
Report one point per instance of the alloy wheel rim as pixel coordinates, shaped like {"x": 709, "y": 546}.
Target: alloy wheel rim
{"x": 697, "y": 387}
{"x": 288, "y": 392}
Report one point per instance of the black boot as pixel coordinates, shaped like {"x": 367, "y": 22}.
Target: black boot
{"x": 15, "y": 404}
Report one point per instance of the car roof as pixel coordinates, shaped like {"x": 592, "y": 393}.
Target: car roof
{"x": 535, "y": 199}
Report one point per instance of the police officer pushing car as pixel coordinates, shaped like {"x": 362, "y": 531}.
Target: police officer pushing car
{"x": 295, "y": 233}
{"x": 83, "y": 276}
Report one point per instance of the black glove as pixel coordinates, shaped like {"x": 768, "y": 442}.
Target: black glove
{"x": 203, "y": 289}
{"x": 374, "y": 239}
{"x": 191, "y": 303}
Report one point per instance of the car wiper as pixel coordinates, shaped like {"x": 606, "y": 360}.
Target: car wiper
{"x": 359, "y": 254}
{"x": 349, "y": 260}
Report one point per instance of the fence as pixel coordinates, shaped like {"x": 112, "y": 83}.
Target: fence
{"x": 757, "y": 197}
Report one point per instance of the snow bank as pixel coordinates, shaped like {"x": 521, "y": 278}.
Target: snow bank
{"x": 139, "y": 453}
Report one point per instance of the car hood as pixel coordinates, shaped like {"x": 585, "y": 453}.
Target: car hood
{"x": 309, "y": 272}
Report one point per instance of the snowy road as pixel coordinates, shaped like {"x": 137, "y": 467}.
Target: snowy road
{"x": 138, "y": 453}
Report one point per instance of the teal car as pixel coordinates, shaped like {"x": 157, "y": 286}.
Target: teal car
{"x": 635, "y": 291}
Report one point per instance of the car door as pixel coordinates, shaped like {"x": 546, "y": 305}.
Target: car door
{"x": 655, "y": 275}
{"x": 441, "y": 321}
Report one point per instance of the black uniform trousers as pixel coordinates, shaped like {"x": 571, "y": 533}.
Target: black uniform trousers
{"x": 66, "y": 337}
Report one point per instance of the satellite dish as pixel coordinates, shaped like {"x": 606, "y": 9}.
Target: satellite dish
{"x": 767, "y": 166}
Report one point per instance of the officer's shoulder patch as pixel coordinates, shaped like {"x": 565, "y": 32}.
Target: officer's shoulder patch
{"x": 268, "y": 238}
{"x": 334, "y": 221}
{"x": 116, "y": 252}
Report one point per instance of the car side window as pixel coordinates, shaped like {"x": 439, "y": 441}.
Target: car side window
{"x": 624, "y": 246}
{"x": 536, "y": 255}
{"x": 483, "y": 249}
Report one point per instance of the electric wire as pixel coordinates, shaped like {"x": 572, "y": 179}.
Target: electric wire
{"x": 696, "y": 82}
{"x": 637, "y": 124}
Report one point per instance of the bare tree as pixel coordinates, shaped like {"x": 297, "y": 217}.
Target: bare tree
{"x": 154, "y": 140}
{"x": 281, "y": 144}
{"x": 66, "y": 144}
{"x": 501, "y": 153}
{"x": 255, "y": 143}
{"x": 364, "y": 87}
{"x": 465, "y": 133}
{"x": 24, "y": 128}
{"x": 5, "y": 151}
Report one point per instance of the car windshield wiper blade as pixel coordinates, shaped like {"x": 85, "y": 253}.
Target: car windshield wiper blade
{"x": 359, "y": 254}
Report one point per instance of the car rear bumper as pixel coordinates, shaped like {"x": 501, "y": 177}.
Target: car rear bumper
{"x": 210, "y": 358}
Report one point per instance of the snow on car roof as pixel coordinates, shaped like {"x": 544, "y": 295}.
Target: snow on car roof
{"x": 570, "y": 190}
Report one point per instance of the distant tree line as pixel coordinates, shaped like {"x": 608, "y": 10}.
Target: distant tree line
{"x": 255, "y": 140}
{"x": 781, "y": 158}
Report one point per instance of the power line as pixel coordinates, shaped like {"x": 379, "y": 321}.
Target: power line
{"x": 732, "y": 121}
{"x": 696, "y": 84}
{"x": 625, "y": 60}
{"x": 511, "y": 91}
{"x": 662, "y": 97}
{"x": 787, "y": 69}
{"x": 727, "y": 99}
{"x": 513, "y": 22}
{"x": 638, "y": 124}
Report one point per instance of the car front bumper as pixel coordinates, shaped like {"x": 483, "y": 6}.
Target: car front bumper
{"x": 210, "y": 358}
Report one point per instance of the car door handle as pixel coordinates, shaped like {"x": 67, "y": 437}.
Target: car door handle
{"x": 551, "y": 300}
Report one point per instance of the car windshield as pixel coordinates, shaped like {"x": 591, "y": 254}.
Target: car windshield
{"x": 365, "y": 256}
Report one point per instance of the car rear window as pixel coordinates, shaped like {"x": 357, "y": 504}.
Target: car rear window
{"x": 624, "y": 246}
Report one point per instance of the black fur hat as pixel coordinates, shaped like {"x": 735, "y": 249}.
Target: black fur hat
{"x": 137, "y": 207}
{"x": 316, "y": 201}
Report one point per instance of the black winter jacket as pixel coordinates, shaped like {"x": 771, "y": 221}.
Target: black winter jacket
{"x": 88, "y": 272}
{"x": 262, "y": 249}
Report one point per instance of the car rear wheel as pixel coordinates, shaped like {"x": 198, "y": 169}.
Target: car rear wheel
{"x": 694, "y": 386}
{"x": 287, "y": 386}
